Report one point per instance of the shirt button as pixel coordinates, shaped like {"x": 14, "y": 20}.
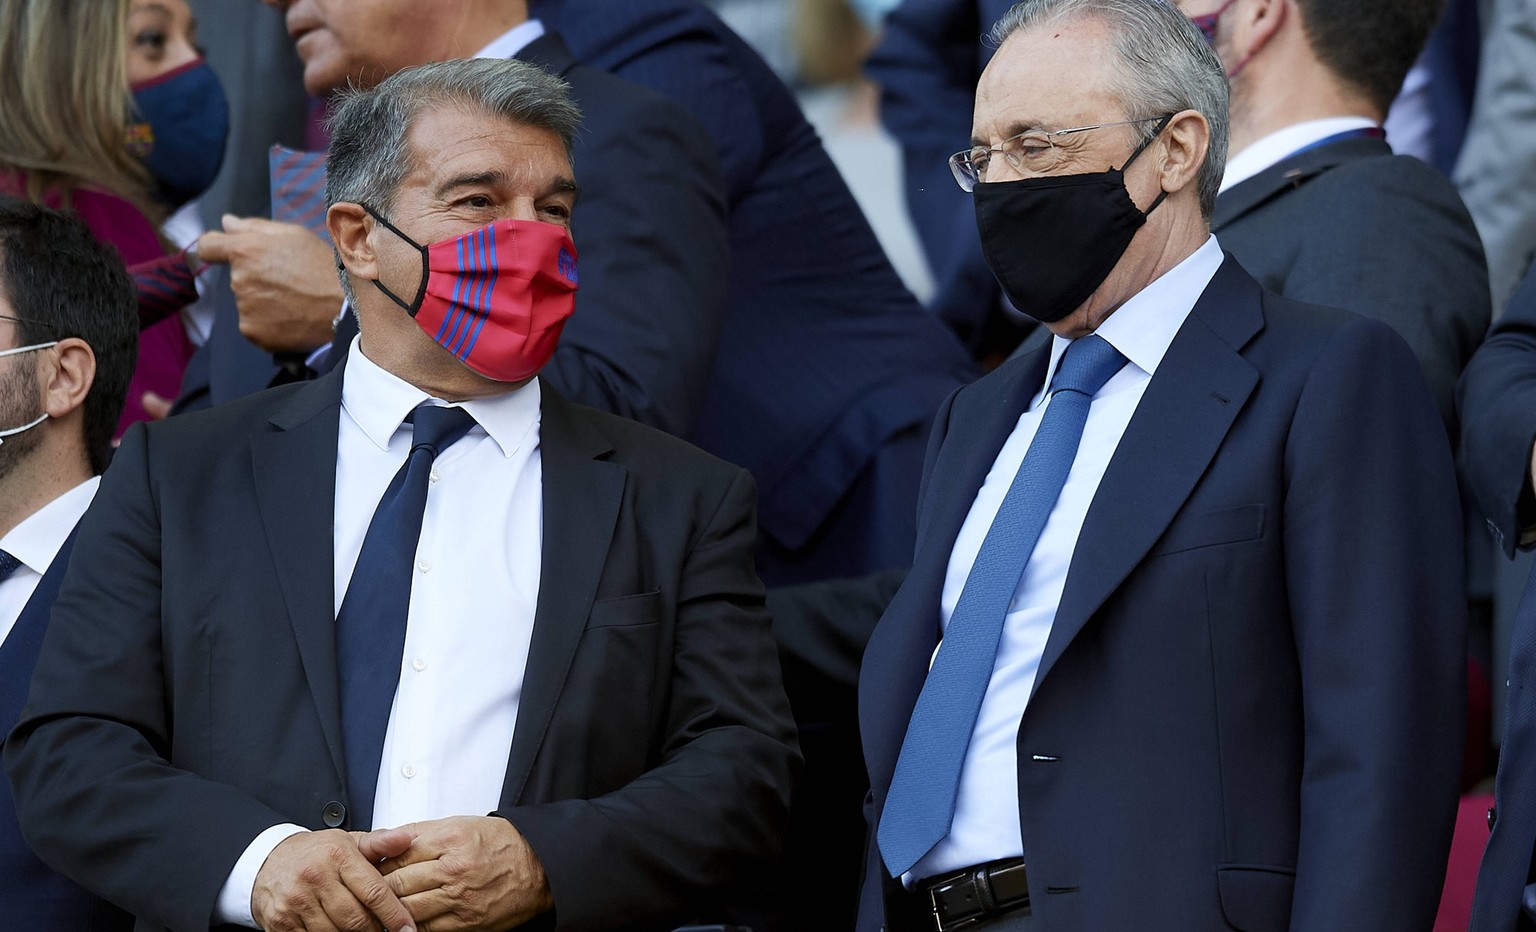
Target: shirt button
{"x": 433, "y": 476}
{"x": 424, "y": 566}
{"x": 418, "y": 665}
{"x": 408, "y": 771}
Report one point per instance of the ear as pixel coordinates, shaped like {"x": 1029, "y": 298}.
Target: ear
{"x": 1256, "y": 23}
{"x": 350, "y": 225}
{"x": 69, "y": 378}
{"x": 1186, "y": 140}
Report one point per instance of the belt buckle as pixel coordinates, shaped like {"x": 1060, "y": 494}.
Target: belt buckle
{"x": 940, "y": 923}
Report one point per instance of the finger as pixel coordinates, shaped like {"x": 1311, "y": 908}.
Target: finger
{"x": 158, "y": 407}
{"x": 433, "y": 909}
{"x": 234, "y": 224}
{"x": 214, "y": 246}
{"x": 415, "y": 879}
{"x": 383, "y": 843}
{"x": 370, "y": 889}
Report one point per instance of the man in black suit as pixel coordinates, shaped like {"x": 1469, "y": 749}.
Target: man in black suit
{"x": 1314, "y": 204}
{"x": 68, "y": 335}
{"x": 651, "y": 222}
{"x": 572, "y": 638}
{"x": 1123, "y": 685}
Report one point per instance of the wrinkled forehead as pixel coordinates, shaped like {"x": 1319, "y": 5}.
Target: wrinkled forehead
{"x": 1052, "y": 76}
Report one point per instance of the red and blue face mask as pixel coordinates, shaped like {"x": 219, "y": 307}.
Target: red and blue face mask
{"x": 496, "y": 297}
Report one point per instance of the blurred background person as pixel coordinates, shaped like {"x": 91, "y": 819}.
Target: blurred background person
{"x": 111, "y": 112}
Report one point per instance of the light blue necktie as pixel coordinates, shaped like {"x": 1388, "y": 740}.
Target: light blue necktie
{"x": 921, "y": 803}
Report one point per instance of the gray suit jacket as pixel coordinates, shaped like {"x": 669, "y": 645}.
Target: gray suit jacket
{"x": 1348, "y": 224}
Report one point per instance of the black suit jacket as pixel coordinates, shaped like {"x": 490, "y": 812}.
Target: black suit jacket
{"x": 1248, "y": 714}
{"x": 31, "y": 895}
{"x": 651, "y": 230}
{"x": 1348, "y": 224}
{"x": 186, "y": 697}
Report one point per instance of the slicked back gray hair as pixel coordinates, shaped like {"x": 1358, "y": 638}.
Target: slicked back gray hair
{"x": 1165, "y": 66}
{"x": 370, "y": 154}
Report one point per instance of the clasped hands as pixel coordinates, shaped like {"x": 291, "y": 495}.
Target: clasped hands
{"x": 464, "y": 872}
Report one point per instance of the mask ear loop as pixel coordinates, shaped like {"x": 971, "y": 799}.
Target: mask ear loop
{"x": 1161, "y": 125}
{"x": 421, "y": 293}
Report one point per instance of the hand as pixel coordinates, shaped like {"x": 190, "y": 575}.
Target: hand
{"x": 158, "y": 407}
{"x": 284, "y": 280}
{"x": 468, "y": 872}
{"x": 327, "y": 882}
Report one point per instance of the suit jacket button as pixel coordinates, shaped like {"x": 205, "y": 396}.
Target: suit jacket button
{"x": 334, "y": 814}
{"x": 1493, "y": 816}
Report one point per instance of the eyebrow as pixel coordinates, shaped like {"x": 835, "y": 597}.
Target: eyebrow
{"x": 1011, "y": 129}
{"x": 560, "y": 184}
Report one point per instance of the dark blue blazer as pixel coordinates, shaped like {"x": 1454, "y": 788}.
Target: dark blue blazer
{"x": 824, "y": 358}
{"x": 1496, "y": 402}
{"x": 32, "y": 896}
{"x": 1249, "y": 709}
{"x": 652, "y": 236}
{"x": 930, "y": 56}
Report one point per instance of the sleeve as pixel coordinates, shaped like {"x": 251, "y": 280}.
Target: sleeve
{"x": 715, "y": 805}
{"x": 96, "y": 795}
{"x": 655, "y": 258}
{"x": 1373, "y": 555}
{"x": 1496, "y": 402}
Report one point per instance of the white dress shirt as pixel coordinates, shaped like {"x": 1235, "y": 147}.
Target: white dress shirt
{"x": 35, "y": 542}
{"x": 986, "y": 822}
{"x": 473, "y": 595}
{"x": 1283, "y": 143}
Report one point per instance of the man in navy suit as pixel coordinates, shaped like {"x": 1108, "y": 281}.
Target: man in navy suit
{"x": 1182, "y": 647}
{"x": 68, "y": 336}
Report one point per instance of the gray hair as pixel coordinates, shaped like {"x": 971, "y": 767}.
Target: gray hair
{"x": 1165, "y": 66}
{"x": 370, "y": 154}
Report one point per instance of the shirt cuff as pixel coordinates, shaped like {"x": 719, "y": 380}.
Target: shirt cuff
{"x": 234, "y": 903}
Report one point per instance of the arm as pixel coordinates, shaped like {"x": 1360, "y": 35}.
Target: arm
{"x": 655, "y": 256}
{"x": 1496, "y": 402}
{"x": 1374, "y": 576}
{"x": 715, "y": 805}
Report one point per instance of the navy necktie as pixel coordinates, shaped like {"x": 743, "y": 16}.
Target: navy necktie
{"x": 370, "y": 628}
{"x": 8, "y": 565}
{"x": 921, "y": 803}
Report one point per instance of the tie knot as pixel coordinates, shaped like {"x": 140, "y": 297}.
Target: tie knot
{"x": 437, "y": 427}
{"x": 1086, "y": 365}
{"x": 8, "y": 565}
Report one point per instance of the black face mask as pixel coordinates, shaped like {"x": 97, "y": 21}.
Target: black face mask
{"x": 1051, "y": 241}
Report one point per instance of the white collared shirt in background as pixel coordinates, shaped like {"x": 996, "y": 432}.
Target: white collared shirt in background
{"x": 35, "y": 542}
{"x": 986, "y": 822}
{"x": 1282, "y": 144}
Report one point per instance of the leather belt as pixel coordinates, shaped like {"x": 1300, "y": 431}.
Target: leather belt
{"x": 967, "y": 897}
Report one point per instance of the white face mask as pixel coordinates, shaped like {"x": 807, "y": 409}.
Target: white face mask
{"x": 10, "y": 432}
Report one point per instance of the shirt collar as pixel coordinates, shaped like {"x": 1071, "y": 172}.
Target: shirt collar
{"x": 514, "y": 40}
{"x": 37, "y": 539}
{"x": 1282, "y": 143}
{"x": 1143, "y": 327}
{"x": 378, "y": 402}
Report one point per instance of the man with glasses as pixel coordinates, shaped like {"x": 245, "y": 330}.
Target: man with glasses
{"x": 1182, "y": 645}
{"x": 68, "y": 336}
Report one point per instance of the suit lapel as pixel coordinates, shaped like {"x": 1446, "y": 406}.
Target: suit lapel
{"x": 1247, "y": 196}
{"x": 896, "y": 660}
{"x": 582, "y": 495}
{"x": 295, "y": 476}
{"x": 1199, "y": 389}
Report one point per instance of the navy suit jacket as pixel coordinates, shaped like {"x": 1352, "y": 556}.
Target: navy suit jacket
{"x": 1249, "y": 709}
{"x": 1351, "y": 225}
{"x": 31, "y": 895}
{"x": 824, "y": 358}
{"x": 651, "y": 231}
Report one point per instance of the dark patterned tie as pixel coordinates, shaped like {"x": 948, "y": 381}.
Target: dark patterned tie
{"x": 370, "y": 628}
{"x": 8, "y": 565}
{"x": 921, "y": 803}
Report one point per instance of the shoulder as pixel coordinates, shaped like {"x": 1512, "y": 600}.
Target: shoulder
{"x": 221, "y": 425}
{"x": 644, "y": 450}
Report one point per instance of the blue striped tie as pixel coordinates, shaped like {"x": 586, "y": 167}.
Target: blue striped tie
{"x": 370, "y": 628}
{"x": 921, "y": 803}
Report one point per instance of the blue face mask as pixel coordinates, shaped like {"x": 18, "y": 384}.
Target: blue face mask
{"x": 182, "y": 123}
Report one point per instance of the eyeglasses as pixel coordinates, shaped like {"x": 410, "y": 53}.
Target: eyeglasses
{"x": 1033, "y": 152}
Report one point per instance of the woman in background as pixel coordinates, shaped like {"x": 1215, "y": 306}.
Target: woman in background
{"x": 110, "y": 112}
